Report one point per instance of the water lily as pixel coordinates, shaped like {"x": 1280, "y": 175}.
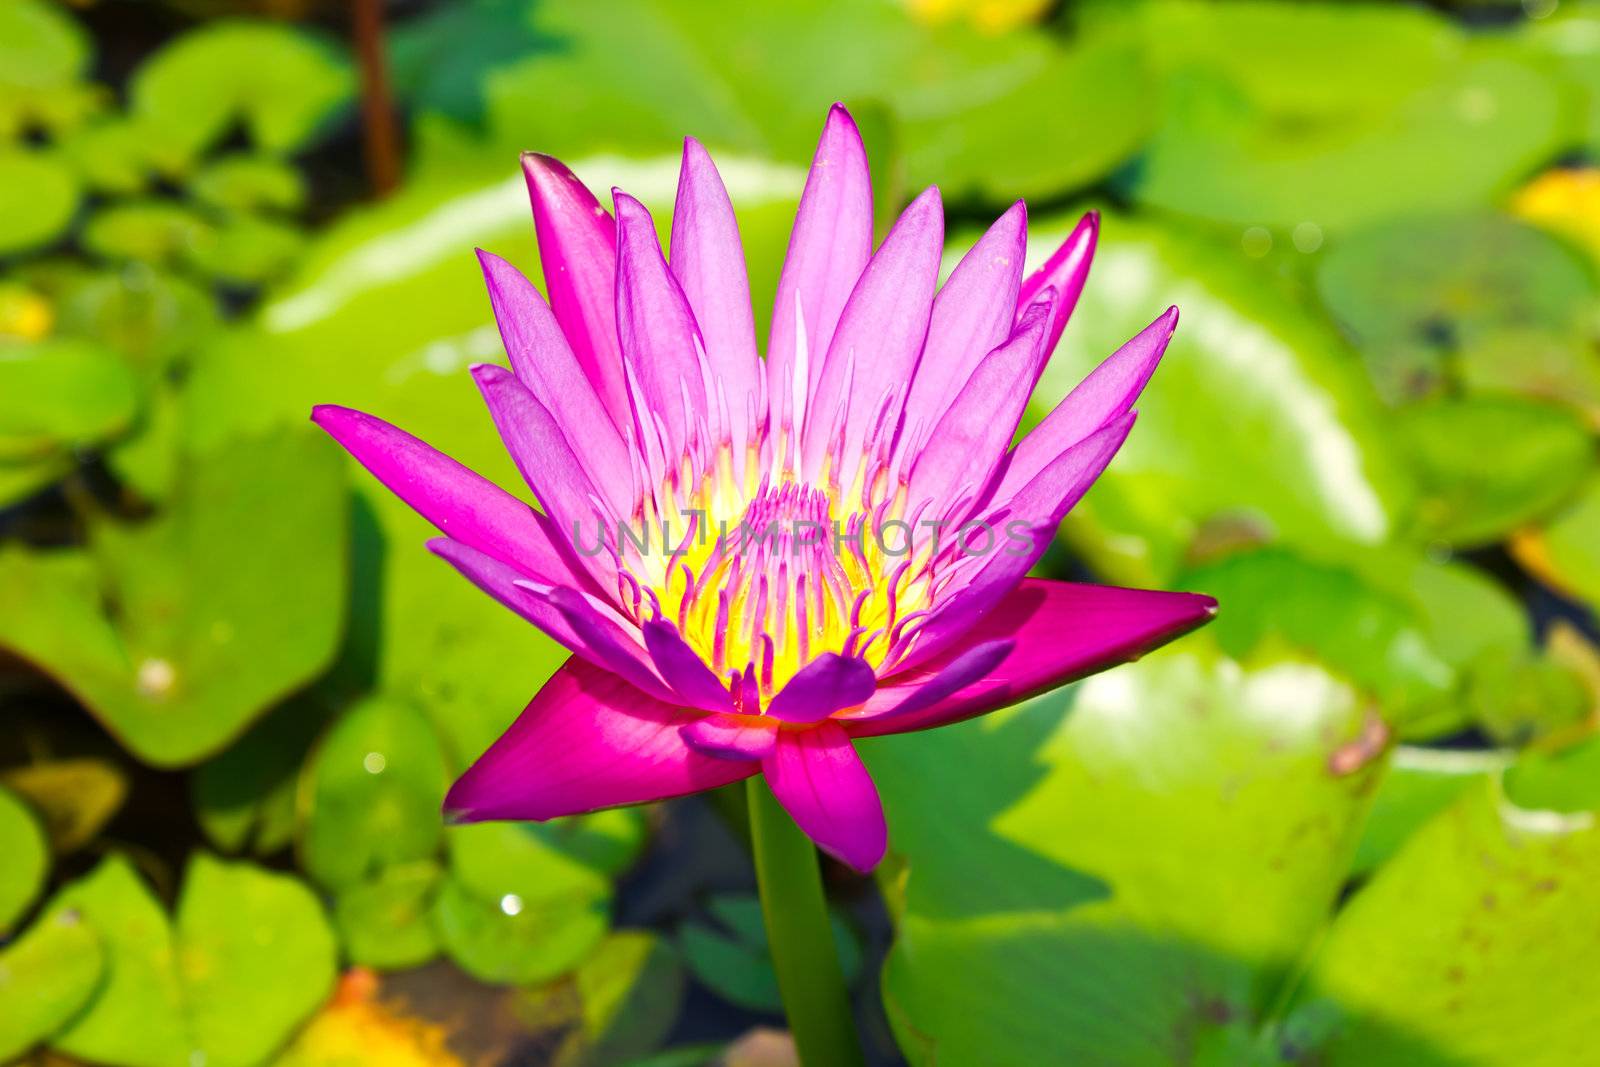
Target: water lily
{"x": 756, "y": 562}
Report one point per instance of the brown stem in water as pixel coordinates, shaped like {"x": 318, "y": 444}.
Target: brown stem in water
{"x": 380, "y": 135}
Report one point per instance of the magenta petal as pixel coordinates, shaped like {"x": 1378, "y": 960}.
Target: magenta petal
{"x": 1065, "y": 271}
{"x": 683, "y": 669}
{"x": 544, "y": 363}
{"x": 466, "y": 506}
{"x": 1108, "y": 391}
{"x": 578, "y": 249}
{"x": 827, "y": 684}
{"x": 1062, "y": 631}
{"x": 823, "y": 785}
{"x": 880, "y": 336}
{"x": 973, "y": 314}
{"x": 657, "y": 329}
{"x": 920, "y": 689}
{"x": 970, "y": 440}
{"x": 736, "y": 737}
{"x": 828, "y": 250}
{"x": 587, "y": 741}
{"x": 593, "y": 636}
{"x": 1039, "y": 506}
{"x": 708, "y": 261}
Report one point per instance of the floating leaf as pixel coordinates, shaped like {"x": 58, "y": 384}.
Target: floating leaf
{"x": 730, "y": 955}
{"x": 246, "y": 250}
{"x": 1446, "y": 955}
{"x": 76, "y": 797}
{"x": 41, "y": 198}
{"x": 27, "y": 853}
{"x": 1256, "y": 412}
{"x": 241, "y": 182}
{"x": 157, "y": 232}
{"x": 1566, "y": 551}
{"x": 137, "y": 1016}
{"x": 1114, "y": 885}
{"x": 245, "y": 797}
{"x": 616, "y": 1007}
{"x": 1470, "y": 495}
{"x": 280, "y": 82}
{"x": 59, "y": 395}
{"x": 223, "y": 606}
{"x": 43, "y": 55}
{"x": 385, "y": 923}
{"x": 371, "y": 794}
{"x": 1421, "y": 783}
{"x": 46, "y": 976}
{"x": 1480, "y": 298}
{"x": 506, "y": 941}
{"x": 255, "y": 956}
{"x": 150, "y": 317}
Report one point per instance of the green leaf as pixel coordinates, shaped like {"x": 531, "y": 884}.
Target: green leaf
{"x": 1113, "y": 886}
{"x": 150, "y": 317}
{"x": 46, "y": 976}
{"x": 1483, "y": 299}
{"x": 1447, "y": 955}
{"x": 247, "y": 251}
{"x": 157, "y": 232}
{"x": 507, "y": 941}
{"x": 1421, "y": 783}
{"x": 632, "y": 989}
{"x": 137, "y": 1017}
{"x": 1445, "y": 123}
{"x": 255, "y": 957}
{"x": 41, "y": 198}
{"x": 27, "y": 853}
{"x": 1566, "y": 551}
{"x": 59, "y": 395}
{"x": 281, "y": 83}
{"x": 1256, "y": 413}
{"x": 372, "y": 792}
{"x": 244, "y": 798}
{"x": 243, "y": 182}
{"x": 729, "y": 955}
{"x": 224, "y": 605}
{"x": 74, "y": 797}
{"x": 1470, "y": 495}
{"x": 43, "y": 56}
{"x": 385, "y": 923}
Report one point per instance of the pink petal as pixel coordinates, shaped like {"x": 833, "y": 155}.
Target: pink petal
{"x": 708, "y": 261}
{"x": 969, "y": 442}
{"x": 1039, "y": 508}
{"x": 544, "y": 363}
{"x": 1108, "y": 391}
{"x": 823, "y": 785}
{"x": 737, "y": 737}
{"x": 657, "y": 329}
{"x": 973, "y": 314}
{"x": 926, "y": 686}
{"x": 587, "y": 741}
{"x": 823, "y": 686}
{"x": 592, "y": 636}
{"x": 879, "y": 339}
{"x": 1062, "y": 631}
{"x": 682, "y": 668}
{"x": 578, "y": 252}
{"x": 466, "y": 506}
{"x": 828, "y": 250}
{"x": 1065, "y": 271}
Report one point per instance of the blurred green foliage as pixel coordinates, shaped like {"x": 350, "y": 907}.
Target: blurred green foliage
{"x": 1352, "y": 823}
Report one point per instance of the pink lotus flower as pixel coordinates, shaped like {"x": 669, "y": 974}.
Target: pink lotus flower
{"x": 757, "y": 562}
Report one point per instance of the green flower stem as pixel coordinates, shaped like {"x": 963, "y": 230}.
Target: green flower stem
{"x": 800, "y": 935}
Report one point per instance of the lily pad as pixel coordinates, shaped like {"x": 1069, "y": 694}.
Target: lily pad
{"x": 385, "y": 923}
{"x": 242, "y": 182}
{"x": 371, "y": 794}
{"x": 41, "y": 197}
{"x": 1478, "y": 120}
{"x": 1435, "y": 301}
{"x": 150, "y": 317}
{"x": 245, "y": 797}
{"x": 1120, "y": 883}
{"x": 43, "y": 56}
{"x": 227, "y": 603}
{"x": 147, "y": 231}
{"x": 46, "y": 976}
{"x": 616, "y": 1007}
{"x": 1256, "y": 413}
{"x": 27, "y": 853}
{"x": 75, "y": 798}
{"x": 245, "y": 250}
{"x": 255, "y": 957}
{"x": 1470, "y": 495}
{"x": 280, "y": 82}
{"x": 504, "y": 941}
{"x": 137, "y": 1015}
{"x": 61, "y": 395}
{"x": 1566, "y": 551}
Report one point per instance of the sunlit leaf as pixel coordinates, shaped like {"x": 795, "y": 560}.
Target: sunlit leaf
{"x": 41, "y": 197}
{"x": 59, "y": 395}
{"x": 46, "y": 976}
{"x": 385, "y": 923}
{"x": 23, "y": 843}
